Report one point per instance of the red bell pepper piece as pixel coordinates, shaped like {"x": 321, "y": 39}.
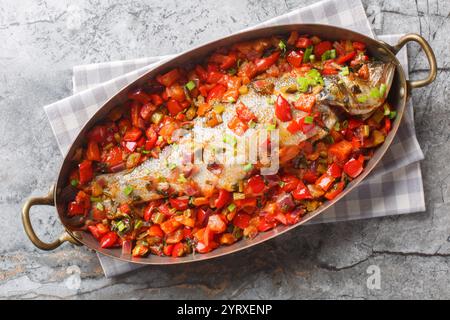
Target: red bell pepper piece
{"x": 97, "y": 134}
{"x": 132, "y": 134}
{"x": 294, "y": 127}
{"x": 174, "y": 107}
{"x": 263, "y": 64}
{"x": 340, "y": 150}
{"x": 335, "y": 191}
{"x": 223, "y": 199}
{"x": 139, "y": 95}
{"x": 305, "y": 102}
{"x": 169, "y": 78}
{"x": 321, "y": 47}
{"x": 301, "y": 192}
{"x": 114, "y": 156}
{"x": 325, "y": 181}
{"x": 147, "y": 111}
{"x": 109, "y": 240}
{"x": 155, "y": 231}
{"x": 180, "y": 203}
{"x": 93, "y": 152}
{"x": 241, "y": 220}
{"x": 283, "y": 109}
{"x": 244, "y": 113}
{"x": 265, "y": 225}
{"x": 295, "y": 58}
{"x": 176, "y": 92}
{"x": 346, "y": 57}
{"x": 359, "y": 45}
{"x": 334, "y": 170}
{"x": 216, "y": 224}
{"x": 255, "y": 185}
{"x": 178, "y": 250}
{"x": 85, "y": 171}
{"x": 76, "y": 209}
{"x": 245, "y": 203}
{"x": 290, "y": 182}
{"x": 353, "y": 167}
{"x": 216, "y": 93}
{"x": 168, "y": 248}
{"x": 303, "y": 43}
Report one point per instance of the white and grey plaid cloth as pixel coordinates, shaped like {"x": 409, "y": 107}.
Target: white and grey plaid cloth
{"x": 394, "y": 187}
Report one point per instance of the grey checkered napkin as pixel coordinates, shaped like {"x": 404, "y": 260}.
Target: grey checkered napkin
{"x": 395, "y": 186}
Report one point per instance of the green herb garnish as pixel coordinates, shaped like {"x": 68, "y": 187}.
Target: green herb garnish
{"x": 282, "y": 46}
{"x": 308, "y": 120}
{"x": 392, "y": 114}
{"x": 190, "y": 85}
{"x": 128, "y": 190}
{"x": 231, "y": 207}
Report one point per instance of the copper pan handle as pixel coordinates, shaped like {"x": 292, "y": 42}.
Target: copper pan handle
{"x": 413, "y": 84}
{"x": 48, "y": 201}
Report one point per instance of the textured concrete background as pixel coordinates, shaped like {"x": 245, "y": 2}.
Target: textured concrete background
{"x": 42, "y": 40}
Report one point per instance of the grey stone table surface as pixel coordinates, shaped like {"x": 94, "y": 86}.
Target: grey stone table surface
{"x": 42, "y": 40}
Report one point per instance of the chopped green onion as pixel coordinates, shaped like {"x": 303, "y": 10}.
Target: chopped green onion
{"x": 281, "y": 184}
{"x": 238, "y": 196}
{"x": 190, "y": 85}
{"x": 314, "y": 77}
{"x": 312, "y": 58}
{"x": 392, "y": 114}
{"x": 337, "y": 127}
{"x": 308, "y": 119}
{"x": 128, "y": 190}
{"x": 182, "y": 178}
{"x": 271, "y": 127}
{"x": 366, "y": 130}
{"x": 383, "y": 89}
{"x": 120, "y": 226}
{"x": 238, "y": 63}
{"x": 231, "y": 207}
{"x": 375, "y": 93}
{"x": 329, "y": 54}
{"x": 172, "y": 166}
{"x": 302, "y": 84}
{"x": 96, "y": 199}
{"x": 231, "y": 99}
{"x": 282, "y": 46}
{"x": 145, "y": 151}
{"x": 229, "y": 139}
{"x": 251, "y": 124}
{"x": 345, "y": 71}
{"x": 344, "y": 124}
{"x": 147, "y": 171}
{"x": 248, "y": 167}
{"x": 307, "y": 54}
{"x": 387, "y": 111}
{"x": 270, "y": 100}
{"x": 138, "y": 224}
{"x": 362, "y": 98}
{"x": 74, "y": 182}
{"x": 99, "y": 206}
{"x": 158, "y": 217}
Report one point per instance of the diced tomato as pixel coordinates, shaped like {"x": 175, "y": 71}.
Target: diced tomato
{"x": 310, "y": 176}
{"x": 174, "y": 107}
{"x": 216, "y": 224}
{"x": 328, "y": 71}
{"x": 335, "y": 191}
{"x": 229, "y": 61}
{"x": 293, "y": 37}
{"x": 180, "y": 203}
{"x": 245, "y": 203}
{"x": 283, "y": 109}
{"x": 93, "y": 152}
{"x": 132, "y": 134}
{"x": 109, "y": 240}
{"x": 303, "y": 43}
{"x": 85, "y": 171}
{"x": 237, "y": 126}
{"x": 363, "y": 72}
{"x": 346, "y": 57}
{"x": 305, "y": 102}
{"x": 75, "y": 209}
{"x": 305, "y": 127}
{"x": 340, "y": 150}
{"x": 255, "y": 185}
{"x": 223, "y": 198}
{"x": 295, "y": 58}
{"x": 169, "y": 78}
{"x": 216, "y": 93}
{"x": 265, "y": 225}
{"x": 98, "y": 215}
{"x": 387, "y": 125}
{"x": 290, "y": 182}
{"x": 301, "y": 192}
{"x": 156, "y": 99}
{"x": 152, "y": 137}
{"x": 321, "y": 47}
{"x": 353, "y": 167}
{"x": 214, "y": 76}
{"x": 125, "y": 208}
{"x": 359, "y": 45}
{"x": 168, "y": 129}
{"x": 201, "y": 73}
{"x": 155, "y": 231}
{"x": 263, "y": 64}
{"x": 97, "y": 134}
{"x": 148, "y": 211}
{"x": 114, "y": 156}
{"x": 241, "y": 220}
{"x": 139, "y": 95}
{"x": 170, "y": 226}
{"x": 294, "y": 127}
{"x": 325, "y": 181}
{"x": 178, "y": 250}
{"x": 334, "y": 170}
{"x": 168, "y": 248}
{"x": 244, "y": 113}
{"x": 176, "y": 92}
